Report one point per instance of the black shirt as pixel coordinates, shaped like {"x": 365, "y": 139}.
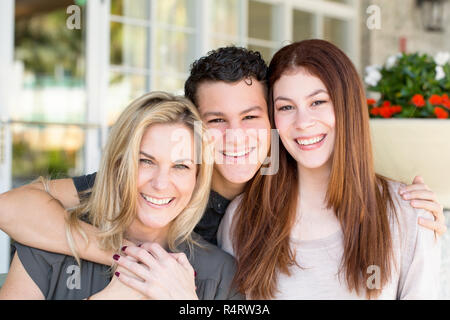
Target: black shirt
{"x": 208, "y": 225}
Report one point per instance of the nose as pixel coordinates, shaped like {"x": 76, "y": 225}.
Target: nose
{"x": 160, "y": 179}
{"x": 304, "y": 119}
{"x": 234, "y": 134}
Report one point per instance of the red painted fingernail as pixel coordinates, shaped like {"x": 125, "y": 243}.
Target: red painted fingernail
{"x": 195, "y": 273}
{"x": 117, "y": 273}
{"x": 124, "y": 248}
{"x": 116, "y": 257}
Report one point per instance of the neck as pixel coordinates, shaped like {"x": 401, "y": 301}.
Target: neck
{"x": 139, "y": 233}
{"x": 224, "y": 187}
{"x": 313, "y": 184}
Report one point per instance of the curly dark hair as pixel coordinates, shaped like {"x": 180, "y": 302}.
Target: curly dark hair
{"x": 228, "y": 64}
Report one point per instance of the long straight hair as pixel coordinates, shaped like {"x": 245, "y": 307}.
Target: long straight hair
{"x": 360, "y": 198}
{"x": 112, "y": 206}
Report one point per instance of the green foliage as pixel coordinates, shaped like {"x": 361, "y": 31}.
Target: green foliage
{"x": 410, "y": 75}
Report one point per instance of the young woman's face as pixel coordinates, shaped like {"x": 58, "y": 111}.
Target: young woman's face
{"x": 166, "y": 174}
{"x": 304, "y": 116}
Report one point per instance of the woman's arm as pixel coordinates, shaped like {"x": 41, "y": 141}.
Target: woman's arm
{"x": 19, "y": 285}
{"x": 33, "y": 217}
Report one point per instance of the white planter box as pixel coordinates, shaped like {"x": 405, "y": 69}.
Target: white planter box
{"x": 404, "y": 148}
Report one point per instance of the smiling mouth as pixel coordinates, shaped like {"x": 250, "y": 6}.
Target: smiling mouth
{"x": 158, "y": 202}
{"x": 236, "y": 155}
{"x": 311, "y": 141}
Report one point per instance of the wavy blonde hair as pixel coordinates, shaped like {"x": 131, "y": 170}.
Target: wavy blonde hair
{"x": 112, "y": 206}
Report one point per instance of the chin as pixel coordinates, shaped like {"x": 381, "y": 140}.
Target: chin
{"x": 239, "y": 173}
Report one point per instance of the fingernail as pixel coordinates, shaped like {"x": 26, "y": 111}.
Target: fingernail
{"x": 117, "y": 274}
{"x": 124, "y": 248}
{"x": 116, "y": 257}
{"x": 195, "y": 273}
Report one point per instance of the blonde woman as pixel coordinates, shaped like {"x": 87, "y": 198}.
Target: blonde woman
{"x": 152, "y": 186}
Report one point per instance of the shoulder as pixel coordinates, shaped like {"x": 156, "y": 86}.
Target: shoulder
{"x": 413, "y": 238}
{"x": 211, "y": 258}
{"x": 225, "y": 231}
{"x": 215, "y": 272}
{"x": 407, "y": 215}
{"x": 32, "y": 256}
{"x": 38, "y": 264}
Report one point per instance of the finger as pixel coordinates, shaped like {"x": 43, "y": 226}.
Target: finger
{"x": 418, "y": 179}
{"x": 158, "y": 252}
{"x": 437, "y": 227}
{"x": 134, "y": 267}
{"x": 413, "y": 187}
{"x": 183, "y": 260}
{"x": 129, "y": 244}
{"x": 141, "y": 255}
{"x": 131, "y": 282}
{"x": 432, "y": 207}
{"x": 420, "y": 195}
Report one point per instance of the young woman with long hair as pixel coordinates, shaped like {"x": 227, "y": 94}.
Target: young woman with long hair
{"x": 326, "y": 226}
{"x": 152, "y": 186}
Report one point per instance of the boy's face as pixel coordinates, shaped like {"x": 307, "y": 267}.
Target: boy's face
{"x": 237, "y": 119}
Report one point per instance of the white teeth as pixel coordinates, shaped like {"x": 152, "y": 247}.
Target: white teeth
{"x": 156, "y": 201}
{"x": 307, "y": 142}
{"x": 235, "y": 154}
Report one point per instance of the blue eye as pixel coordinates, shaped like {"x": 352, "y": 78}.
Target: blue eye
{"x": 146, "y": 161}
{"x": 181, "y": 166}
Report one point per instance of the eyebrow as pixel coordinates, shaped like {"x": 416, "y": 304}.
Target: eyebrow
{"x": 315, "y": 92}
{"x": 177, "y": 161}
{"x": 221, "y": 114}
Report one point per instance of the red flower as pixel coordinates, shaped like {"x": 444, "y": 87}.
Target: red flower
{"x": 375, "y": 111}
{"x": 440, "y": 113}
{"x": 435, "y": 100}
{"x": 445, "y": 101}
{"x": 396, "y": 109}
{"x": 386, "y": 104}
{"x": 371, "y": 102}
{"x": 418, "y": 100}
{"x": 386, "y": 112}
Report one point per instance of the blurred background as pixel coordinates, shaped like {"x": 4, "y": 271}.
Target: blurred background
{"x": 69, "y": 67}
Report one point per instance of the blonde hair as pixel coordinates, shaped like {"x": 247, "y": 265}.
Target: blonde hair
{"x": 112, "y": 206}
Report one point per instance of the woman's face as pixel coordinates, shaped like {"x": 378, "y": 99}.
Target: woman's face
{"x": 304, "y": 116}
{"x": 166, "y": 174}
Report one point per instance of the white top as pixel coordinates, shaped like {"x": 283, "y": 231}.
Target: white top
{"x": 415, "y": 247}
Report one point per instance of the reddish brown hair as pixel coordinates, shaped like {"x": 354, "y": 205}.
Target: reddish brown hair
{"x": 360, "y": 198}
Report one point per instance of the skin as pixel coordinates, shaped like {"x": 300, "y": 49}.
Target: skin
{"x": 301, "y": 113}
{"x": 160, "y": 175}
{"x": 307, "y": 111}
{"x": 35, "y": 222}
{"x": 234, "y": 113}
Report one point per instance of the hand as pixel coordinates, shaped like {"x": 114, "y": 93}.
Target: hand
{"x": 160, "y": 275}
{"x": 423, "y": 198}
{"x": 116, "y": 290}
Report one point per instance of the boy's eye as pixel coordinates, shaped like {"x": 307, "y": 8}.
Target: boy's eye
{"x": 216, "y": 120}
{"x": 249, "y": 117}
